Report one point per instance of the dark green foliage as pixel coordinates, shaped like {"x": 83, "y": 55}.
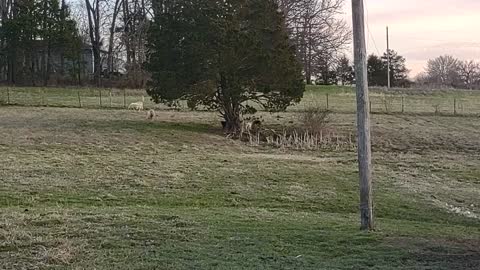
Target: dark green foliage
{"x": 30, "y": 33}
{"x": 327, "y": 77}
{"x": 345, "y": 73}
{"x": 377, "y": 70}
{"x": 398, "y": 69}
{"x": 221, "y": 55}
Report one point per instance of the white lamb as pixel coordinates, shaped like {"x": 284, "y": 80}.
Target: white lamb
{"x": 137, "y": 105}
{"x": 151, "y": 114}
{"x": 247, "y": 127}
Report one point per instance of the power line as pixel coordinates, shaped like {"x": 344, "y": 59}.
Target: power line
{"x": 368, "y": 29}
{"x": 388, "y": 60}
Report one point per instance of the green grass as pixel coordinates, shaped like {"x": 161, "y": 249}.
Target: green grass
{"x": 72, "y": 97}
{"x": 107, "y": 189}
{"x": 340, "y": 99}
{"x": 446, "y": 102}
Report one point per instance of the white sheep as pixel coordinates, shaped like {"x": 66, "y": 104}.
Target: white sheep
{"x": 137, "y": 105}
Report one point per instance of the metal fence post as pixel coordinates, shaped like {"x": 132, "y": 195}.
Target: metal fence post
{"x": 403, "y": 104}
{"x": 124, "y": 98}
{"x": 455, "y": 106}
{"x": 328, "y": 103}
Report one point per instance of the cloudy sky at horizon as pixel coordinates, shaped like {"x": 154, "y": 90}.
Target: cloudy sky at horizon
{"x": 423, "y": 29}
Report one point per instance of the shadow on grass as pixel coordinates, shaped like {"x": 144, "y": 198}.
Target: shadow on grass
{"x": 150, "y": 127}
{"x": 232, "y": 238}
{"x": 438, "y": 252}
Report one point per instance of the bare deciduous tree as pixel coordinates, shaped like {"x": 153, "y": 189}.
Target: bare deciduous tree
{"x": 8, "y": 64}
{"x": 123, "y": 24}
{"x": 318, "y": 32}
{"x": 469, "y": 73}
{"x": 444, "y": 71}
{"x": 110, "y": 57}
{"x": 136, "y": 19}
{"x": 94, "y": 24}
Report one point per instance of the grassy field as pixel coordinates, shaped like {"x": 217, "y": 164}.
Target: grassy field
{"x": 106, "y": 189}
{"x": 337, "y": 99}
{"x": 409, "y": 101}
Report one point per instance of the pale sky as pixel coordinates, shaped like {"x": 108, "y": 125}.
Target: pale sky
{"x": 423, "y": 29}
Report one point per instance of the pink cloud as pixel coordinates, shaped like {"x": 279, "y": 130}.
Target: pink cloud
{"x": 425, "y": 29}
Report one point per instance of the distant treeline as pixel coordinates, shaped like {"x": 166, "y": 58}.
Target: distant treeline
{"x": 448, "y": 72}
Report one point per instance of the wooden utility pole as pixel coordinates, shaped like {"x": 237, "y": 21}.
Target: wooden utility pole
{"x": 363, "y": 117}
{"x": 388, "y": 61}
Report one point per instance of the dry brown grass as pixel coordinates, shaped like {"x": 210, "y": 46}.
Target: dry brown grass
{"x": 314, "y": 119}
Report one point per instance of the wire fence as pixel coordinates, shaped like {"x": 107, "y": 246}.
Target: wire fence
{"x": 339, "y": 102}
{"x": 75, "y": 98}
{"x": 408, "y": 104}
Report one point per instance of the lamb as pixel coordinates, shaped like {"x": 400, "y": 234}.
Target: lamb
{"x": 151, "y": 114}
{"x": 249, "y": 126}
{"x": 137, "y": 105}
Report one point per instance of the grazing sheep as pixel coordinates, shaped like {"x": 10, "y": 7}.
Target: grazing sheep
{"x": 151, "y": 114}
{"x": 137, "y": 105}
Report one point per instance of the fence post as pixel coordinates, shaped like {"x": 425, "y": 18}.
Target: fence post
{"x": 79, "y": 100}
{"x": 403, "y": 104}
{"x": 100, "y": 91}
{"x": 110, "y": 93}
{"x": 370, "y": 107}
{"x": 455, "y": 106}
{"x": 328, "y": 105}
{"x": 43, "y": 97}
{"x": 124, "y": 98}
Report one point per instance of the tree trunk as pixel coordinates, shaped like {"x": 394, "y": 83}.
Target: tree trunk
{"x": 97, "y": 65}
{"x": 62, "y": 65}
{"x": 309, "y": 79}
{"x": 12, "y": 67}
{"x": 49, "y": 56}
{"x": 79, "y": 72}
{"x": 97, "y": 52}
{"x": 309, "y": 55}
{"x": 126, "y": 32}
{"x": 229, "y": 107}
{"x": 116, "y": 10}
{"x": 32, "y": 67}
{"x": 46, "y": 41}
{"x": 94, "y": 31}
{"x": 3, "y": 41}
{"x": 11, "y": 44}
{"x": 232, "y": 122}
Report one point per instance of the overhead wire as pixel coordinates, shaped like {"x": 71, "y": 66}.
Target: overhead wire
{"x": 368, "y": 30}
